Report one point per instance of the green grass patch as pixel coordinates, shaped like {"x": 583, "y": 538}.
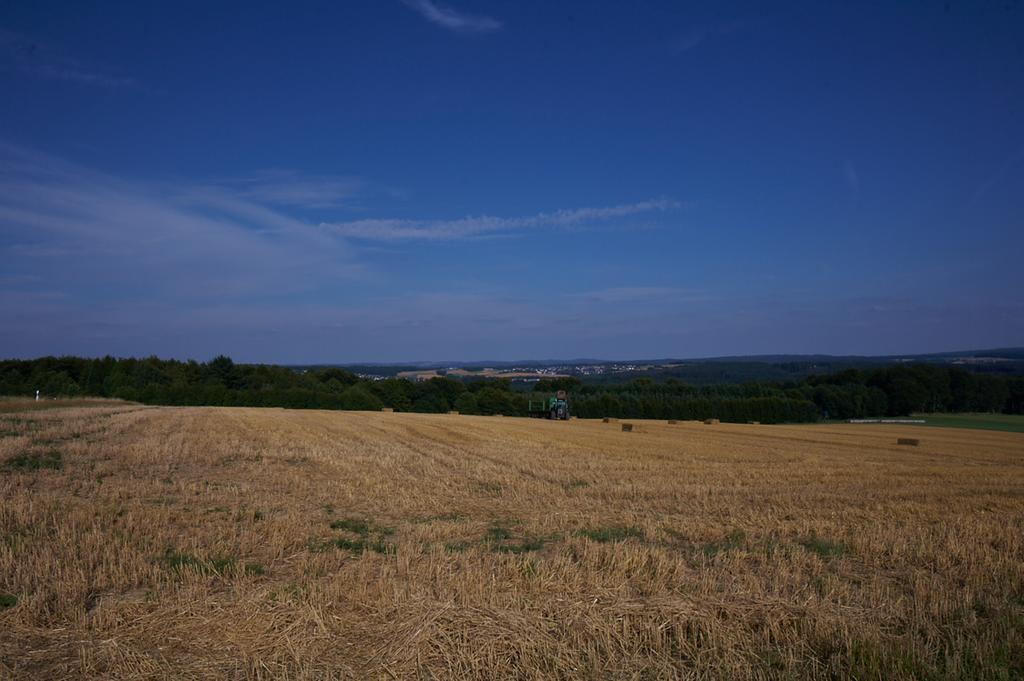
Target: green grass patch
{"x": 522, "y": 546}
{"x": 1012, "y": 423}
{"x": 498, "y": 533}
{"x": 457, "y": 546}
{"x": 360, "y": 527}
{"x": 499, "y": 538}
{"x": 254, "y": 569}
{"x": 613, "y": 533}
{"x": 52, "y": 460}
{"x": 576, "y": 484}
{"x": 823, "y": 547}
{"x": 875, "y": 660}
{"x": 7, "y": 600}
{"x": 370, "y": 537}
{"x": 178, "y": 561}
{"x": 676, "y": 535}
{"x": 361, "y": 545}
{"x": 735, "y": 540}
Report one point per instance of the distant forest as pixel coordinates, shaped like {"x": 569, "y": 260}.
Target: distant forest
{"x": 851, "y": 393}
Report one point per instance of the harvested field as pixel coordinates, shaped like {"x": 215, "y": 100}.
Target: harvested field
{"x": 18, "y": 404}
{"x": 242, "y": 543}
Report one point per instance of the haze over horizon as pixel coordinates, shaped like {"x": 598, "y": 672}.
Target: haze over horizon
{"x": 402, "y": 181}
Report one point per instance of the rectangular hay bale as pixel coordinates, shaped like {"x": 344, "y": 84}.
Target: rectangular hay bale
{"x": 710, "y": 422}
{"x": 627, "y": 427}
{"x": 911, "y": 441}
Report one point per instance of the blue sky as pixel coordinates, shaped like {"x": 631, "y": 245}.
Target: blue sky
{"x": 390, "y": 181}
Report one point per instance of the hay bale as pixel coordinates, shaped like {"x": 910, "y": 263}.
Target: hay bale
{"x": 454, "y": 413}
{"x": 672, "y": 422}
{"x": 911, "y": 441}
{"x": 387, "y": 409}
{"x": 711, "y": 422}
{"x": 754, "y": 423}
{"x": 627, "y": 427}
{"x": 609, "y": 419}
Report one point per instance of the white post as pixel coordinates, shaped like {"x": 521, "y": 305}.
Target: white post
{"x": 37, "y": 396}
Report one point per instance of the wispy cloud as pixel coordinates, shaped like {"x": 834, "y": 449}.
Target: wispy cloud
{"x": 485, "y": 225}
{"x": 35, "y": 58}
{"x": 689, "y": 40}
{"x": 92, "y": 263}
{"x": 79, "y": 229}
{"x": 453, "y": 20}
{"x": 95, "y": 264}
{"x": 289, "y": 188}
{"x": 637, "y": 294}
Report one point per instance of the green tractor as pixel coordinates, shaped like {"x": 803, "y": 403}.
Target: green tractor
{"x": 551, "y": 407}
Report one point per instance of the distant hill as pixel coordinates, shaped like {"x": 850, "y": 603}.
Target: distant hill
{"x": 700, "y": 370}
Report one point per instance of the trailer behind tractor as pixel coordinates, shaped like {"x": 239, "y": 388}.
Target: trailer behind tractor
{"x": 553, "y": 407}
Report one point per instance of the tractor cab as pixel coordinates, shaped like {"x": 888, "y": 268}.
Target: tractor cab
{"x": 554, "y": 407}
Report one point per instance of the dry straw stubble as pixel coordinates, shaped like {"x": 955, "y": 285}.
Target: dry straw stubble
{"x": 252, "y": 543}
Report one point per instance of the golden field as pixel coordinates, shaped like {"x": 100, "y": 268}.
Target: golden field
{"x": 263, "y": 543}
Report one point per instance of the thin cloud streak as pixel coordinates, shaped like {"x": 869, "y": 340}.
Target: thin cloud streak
{"x": 690, "y": 40}
{"x": 79, "y": 228}
{"x": 288, "y": 188}
{"x": 452, "y": 20}
{"x": 486, "y": 225}
{"x": 636, "y": 294}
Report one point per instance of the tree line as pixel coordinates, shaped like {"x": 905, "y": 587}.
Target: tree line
{"x": 852, "y": 393}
